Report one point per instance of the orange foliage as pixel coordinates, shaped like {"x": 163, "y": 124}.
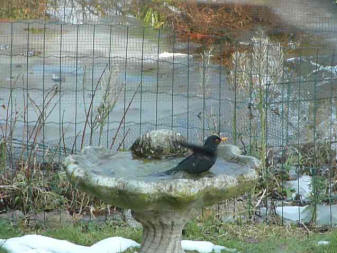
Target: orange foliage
{"x": 220, "y": 24}
{"x": 206, "y": 22}
{"x": 23, "y": 9}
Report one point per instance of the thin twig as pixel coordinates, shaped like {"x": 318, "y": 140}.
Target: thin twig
{"x": 259, "y": 201}
{"x": 91, "y": 105}
{"x": 121, "y": 143}
{"x": 122, "y": 120}
{"x": 305, "y": 227}
{"x": 63, "y": 133}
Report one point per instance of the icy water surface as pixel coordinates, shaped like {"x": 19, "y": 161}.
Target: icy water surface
{"x": 123, "y": 165}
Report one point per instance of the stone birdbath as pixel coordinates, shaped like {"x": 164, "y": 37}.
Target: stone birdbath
{"x": 163, "y": 205}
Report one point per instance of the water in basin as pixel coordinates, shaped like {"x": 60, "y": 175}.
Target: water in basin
{"x": 123, "y": 165}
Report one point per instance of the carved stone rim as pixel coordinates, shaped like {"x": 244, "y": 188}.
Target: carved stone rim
{"x": 136, "y": 194}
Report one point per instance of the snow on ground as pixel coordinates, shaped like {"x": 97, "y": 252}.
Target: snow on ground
{"x": 204, "y": 247}
{"x": 43, "y": 244}
{"x": 320, "y": 243}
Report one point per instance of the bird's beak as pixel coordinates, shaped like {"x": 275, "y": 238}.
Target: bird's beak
{"x": 223, "y": 139}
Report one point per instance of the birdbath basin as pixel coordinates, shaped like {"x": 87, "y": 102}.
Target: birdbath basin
{"x": 162, "y": 204}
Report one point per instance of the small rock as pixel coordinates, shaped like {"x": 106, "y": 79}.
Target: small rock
{"x": 57, "y": 78}
{"x": 322, "y": 243}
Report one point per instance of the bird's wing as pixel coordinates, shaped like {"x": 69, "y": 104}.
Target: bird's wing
{"x": 196, "y": 163}
{"x": 188, "y": 164}
{"x": 192, "y": 159}
{"x": 196, "y": 148}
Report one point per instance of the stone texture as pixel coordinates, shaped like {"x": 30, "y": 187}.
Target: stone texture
{"x": 162, "y": 230}
{"x": 130, "y": 220}
{"x": 161, "y": 193}
{"x": 159, "y": 144}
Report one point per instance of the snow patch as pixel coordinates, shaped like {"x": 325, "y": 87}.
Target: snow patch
{"x": 43, "y": 244}
{"x": 320, "y": 243}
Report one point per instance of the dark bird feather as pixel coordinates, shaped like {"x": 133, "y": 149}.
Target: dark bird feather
{"x": 201, "y": 160}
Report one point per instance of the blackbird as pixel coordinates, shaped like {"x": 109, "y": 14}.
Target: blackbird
{"x": 201, "y": 160}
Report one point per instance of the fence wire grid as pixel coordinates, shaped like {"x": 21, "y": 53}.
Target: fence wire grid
{"x": 63, "y": 87}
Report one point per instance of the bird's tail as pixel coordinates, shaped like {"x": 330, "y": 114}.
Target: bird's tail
{"x": 171, "y": 171}
{"x": 165, "y": 173}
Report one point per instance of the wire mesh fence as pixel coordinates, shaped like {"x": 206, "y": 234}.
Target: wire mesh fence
{"x": 67, "y": 86}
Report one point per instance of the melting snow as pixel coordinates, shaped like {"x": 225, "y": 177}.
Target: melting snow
{"x": 43, "y": 244}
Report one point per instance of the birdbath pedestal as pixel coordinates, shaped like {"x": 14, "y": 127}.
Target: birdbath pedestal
{"x": 163, "y": 205}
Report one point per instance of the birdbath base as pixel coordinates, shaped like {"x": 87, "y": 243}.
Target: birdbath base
{"x": 162, "y": 230}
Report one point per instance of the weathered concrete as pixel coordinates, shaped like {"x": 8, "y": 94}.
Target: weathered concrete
{"x": 162, "y": 229}
{"x": 161, "y": 204}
